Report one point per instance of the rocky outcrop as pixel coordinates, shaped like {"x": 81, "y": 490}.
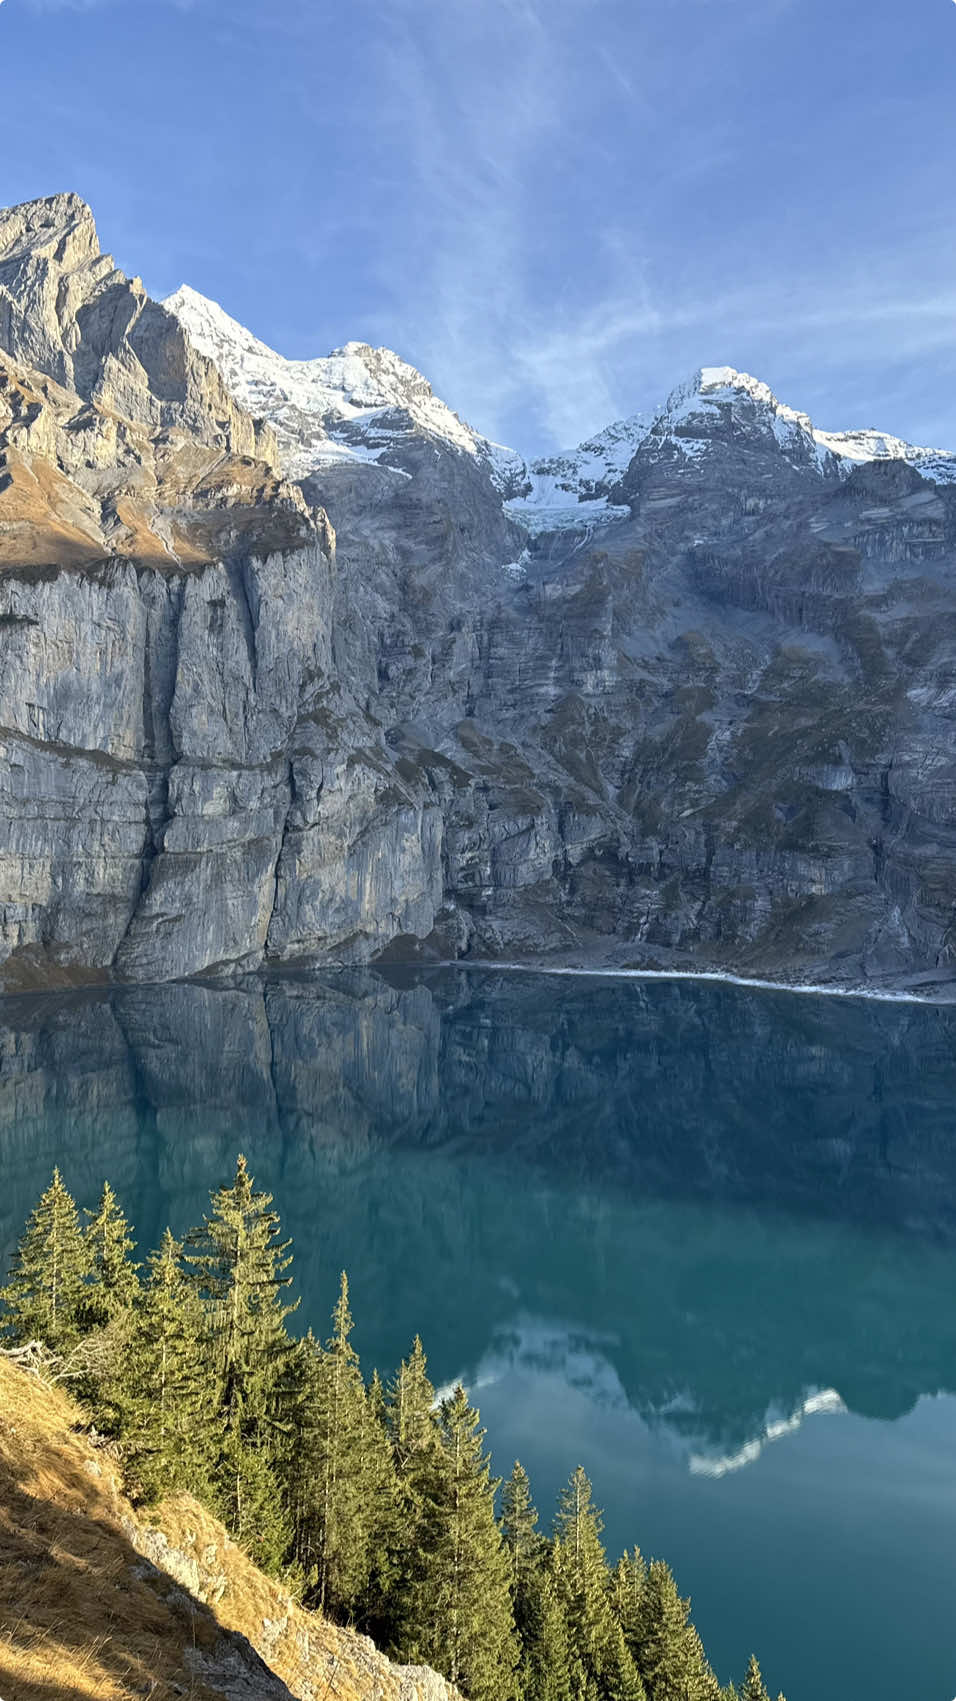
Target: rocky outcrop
{"x": 66, "y": 310}
{"x": 97, "y": 1598}
{"x": 170, "y": 742}
{"x": 243, "y": 720}
{"x": 170, "y": 711}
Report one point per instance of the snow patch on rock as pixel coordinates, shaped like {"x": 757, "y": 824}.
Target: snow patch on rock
{"x": 854, "y": 447}
{"x": 355, "y": 405}
{"x": 360, "y": 404}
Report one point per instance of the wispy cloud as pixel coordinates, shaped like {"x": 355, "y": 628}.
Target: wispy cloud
{"x": 530, "y": 274}
{"x": 556, "y": 208}
{"x": 483, "y": 150}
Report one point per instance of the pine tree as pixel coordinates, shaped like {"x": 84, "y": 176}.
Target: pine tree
{"x": 344, "y": 1459}
{"x": 248, "y": 1499}
{"x": 540, "y": 1625}
{"x": 169, "y": 1421}
{"x": 580, "y": 1568}
{"x": 239, "y": 1267}
{"x": 413, "y": 1436}
{"x": 114, "y": 1278}
{"x": 44, "y": 1296}
{"x": 523, "y": 1541}
{"x": 754, "y": 1688}
{"x": 411, "y": 1424}
{"x": 458, "y": 1608}
{"x": 384, "y": 1497}
{"x": 628, "y": 1582}
{"x": 669, "y": 1654}
{"x": 546, "y": 1665}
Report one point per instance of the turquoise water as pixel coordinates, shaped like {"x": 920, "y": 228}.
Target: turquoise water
{"x": 699, "y": 1238}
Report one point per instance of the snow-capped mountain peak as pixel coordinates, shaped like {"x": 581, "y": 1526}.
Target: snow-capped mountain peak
{"x": 713, "y": 388}
{"x": 360, "y": 404}
{"x": 354, "y": 404}
{"x": 853, "y": 447}
{"x": 712, "y": 391}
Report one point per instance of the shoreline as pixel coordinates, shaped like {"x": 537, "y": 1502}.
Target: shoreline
{"x": 804, "y": 989}
{"x": 940, "y": 994}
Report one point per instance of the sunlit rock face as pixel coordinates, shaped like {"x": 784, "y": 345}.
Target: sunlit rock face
{"x": 171, "y": 712}
{"x": 684, "y": 696}
{"x": 67, "y": 311}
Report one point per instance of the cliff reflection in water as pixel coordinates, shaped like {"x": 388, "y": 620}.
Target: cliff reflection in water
{"x": 722, "y": 1199}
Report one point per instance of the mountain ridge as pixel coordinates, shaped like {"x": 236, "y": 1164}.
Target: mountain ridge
{"x": 698, "y": 715}
{"x": 350, "y": 393}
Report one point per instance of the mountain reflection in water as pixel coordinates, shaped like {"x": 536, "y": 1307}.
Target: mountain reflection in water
{"x": 656, "y": 1226}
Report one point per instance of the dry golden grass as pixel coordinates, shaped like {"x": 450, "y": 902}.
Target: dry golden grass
{"x": 83, "y": 1618}
{"x": 79, "y": 484}
{"x": 45, "y": 517}
{"x": 76, "y": 1623}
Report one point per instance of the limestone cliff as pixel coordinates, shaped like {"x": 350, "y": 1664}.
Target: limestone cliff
{"x": 244, "y": 720}
{"x": 66, "y": 310}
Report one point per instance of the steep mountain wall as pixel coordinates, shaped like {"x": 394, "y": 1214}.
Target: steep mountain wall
{"x": 66, "y": 310}
{"x": 170, "y": 711}
{"x": 246, "y": 720}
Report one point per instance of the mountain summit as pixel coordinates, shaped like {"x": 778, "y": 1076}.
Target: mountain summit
{"x": 682, "y": 697}
{"x": 360, "y": 404}
{"x": 355, "y": 404}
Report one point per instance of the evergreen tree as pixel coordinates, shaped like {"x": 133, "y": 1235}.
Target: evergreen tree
{"x": 346, "y": 1463}
{"x": 754, "y": 1688}
{"x": 248, "y": 1499}
{"x": 391, "y": 1505}
{"x": 596, "y": 1638}
{"x": 546, "y": 1665}
{"x": 239, "y": 1267}
{"x": 627, "y": 1593}
{"x": 669, "y": 1653}
{"x": 411, "y": 1423}
{"x": 620, "y": 1679}
{"x": 169, "y": 1429}
{"x": 114, "y": 1278}
{"x": 413, "y": 1435}
{"x": 458, "y": 1608}
{"x": 383, "y": 1492}
{"x": 377, "y": 1405}
{"x": 44, "y": 1296}
{"x": 523, "y": 1541}
{"x": 539, "y": 1621}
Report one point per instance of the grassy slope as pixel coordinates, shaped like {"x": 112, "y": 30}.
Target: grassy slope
{"x": 100, "y": 1604}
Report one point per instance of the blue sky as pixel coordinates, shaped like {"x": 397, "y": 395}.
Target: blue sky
{"x": 557, "y": 209}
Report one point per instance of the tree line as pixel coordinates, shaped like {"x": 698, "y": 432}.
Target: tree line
{"x": 375, "y": 1503}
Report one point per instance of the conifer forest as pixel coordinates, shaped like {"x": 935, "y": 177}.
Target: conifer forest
{"x": 374, "y": 1501}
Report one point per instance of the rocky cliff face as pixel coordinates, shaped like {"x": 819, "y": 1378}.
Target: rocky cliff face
{"x": 708, "y": 720}
{"x": 67, "y": 311}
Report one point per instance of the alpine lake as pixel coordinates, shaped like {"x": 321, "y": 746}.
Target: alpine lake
{"x": 700, "y": 1238}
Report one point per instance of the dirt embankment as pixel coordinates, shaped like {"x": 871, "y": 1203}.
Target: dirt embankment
{"x": 101, "y": 1602}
